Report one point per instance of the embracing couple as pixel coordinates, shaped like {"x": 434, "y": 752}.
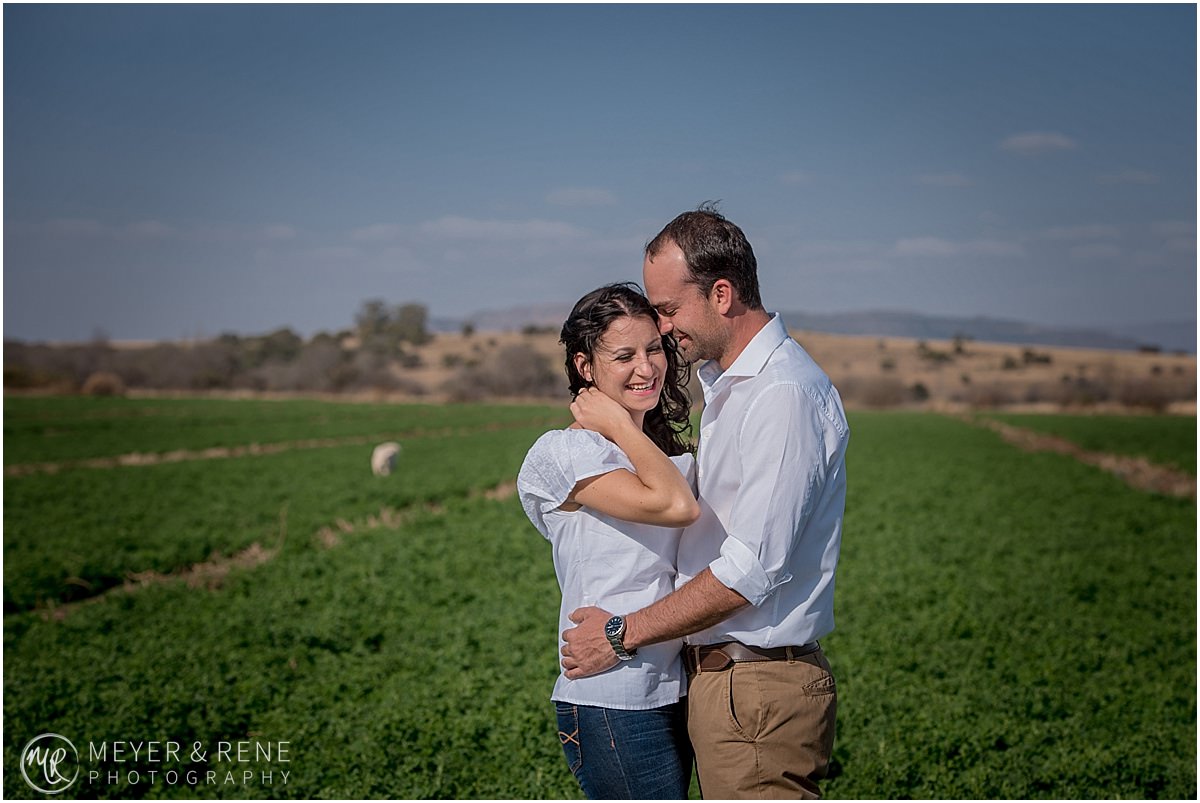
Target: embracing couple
{"x": 694, "y": 588}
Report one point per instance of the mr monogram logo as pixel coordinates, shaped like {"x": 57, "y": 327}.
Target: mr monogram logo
{"x": 50, "y": 763}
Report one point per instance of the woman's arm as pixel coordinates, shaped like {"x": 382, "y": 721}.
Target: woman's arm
{"x": 657, "y": 494}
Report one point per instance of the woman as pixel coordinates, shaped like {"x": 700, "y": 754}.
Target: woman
{"x": 612, "y": 499}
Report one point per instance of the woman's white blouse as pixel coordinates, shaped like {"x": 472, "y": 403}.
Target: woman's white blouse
{"x": 604, "y": 561}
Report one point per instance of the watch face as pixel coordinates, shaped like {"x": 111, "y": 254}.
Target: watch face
{"x": 612, "y": 628}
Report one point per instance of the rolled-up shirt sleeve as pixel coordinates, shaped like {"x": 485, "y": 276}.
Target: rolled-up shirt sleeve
{"x": 783, "y": 463}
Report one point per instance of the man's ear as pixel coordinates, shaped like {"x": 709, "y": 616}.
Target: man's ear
{"x": 721, "y": 296}
{"x": 583, "y": 366}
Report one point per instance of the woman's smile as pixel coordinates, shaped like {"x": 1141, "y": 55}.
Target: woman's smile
{"x": 630, "y": 364}
{"x": 644, "y": 388}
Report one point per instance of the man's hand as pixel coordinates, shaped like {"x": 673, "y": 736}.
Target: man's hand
{"x": 595, "y": 411}
{"x": 587, "y": 651}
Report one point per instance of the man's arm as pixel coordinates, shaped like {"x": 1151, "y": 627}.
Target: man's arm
{"x": 783, "y": 465}
{"x": 701, "y": 603}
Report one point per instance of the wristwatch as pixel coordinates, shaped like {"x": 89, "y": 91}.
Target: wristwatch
{"x": 614, "y": 631}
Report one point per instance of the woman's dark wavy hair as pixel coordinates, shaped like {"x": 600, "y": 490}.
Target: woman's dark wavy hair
{"x": 667, "y": 423}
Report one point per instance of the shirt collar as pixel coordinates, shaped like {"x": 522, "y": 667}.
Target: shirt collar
{"x": 752, "y": 359}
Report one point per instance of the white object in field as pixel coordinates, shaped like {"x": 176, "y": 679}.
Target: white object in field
{"x": 383, "y": 459}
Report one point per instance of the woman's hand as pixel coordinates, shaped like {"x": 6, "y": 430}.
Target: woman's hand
{"x": 595, "y": 411}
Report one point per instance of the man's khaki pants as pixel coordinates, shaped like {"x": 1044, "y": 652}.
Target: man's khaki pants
{"x": 763, "y": 729}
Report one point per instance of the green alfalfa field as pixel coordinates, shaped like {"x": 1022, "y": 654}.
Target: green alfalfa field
{"x": 1008, "y": 624}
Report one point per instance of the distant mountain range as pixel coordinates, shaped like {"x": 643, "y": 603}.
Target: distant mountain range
{"x": 1174, "y": 336}
{"x": 1168, "y": 336}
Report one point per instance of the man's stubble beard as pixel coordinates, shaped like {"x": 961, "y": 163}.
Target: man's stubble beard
{"x": 702, "y": 348}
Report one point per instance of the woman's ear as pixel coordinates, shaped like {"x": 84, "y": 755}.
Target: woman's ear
{"x": 583, "y": 366}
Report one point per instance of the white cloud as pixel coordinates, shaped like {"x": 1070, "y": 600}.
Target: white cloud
{"x": 581, "y": 196}
{"x": 71, "y": 227}
{"x": 332, "y": 253}
{"x": 836, "y": 249}
{"x": 944, "y": 180}
{"x": 376, "y": 233}
{"x": 1037, "y": 142}
{"x": 279, "y": 231}
{"x": 1128, "y": 177}
{"x": 1090, "y": 231}
{"x": 146, "y": 230}
{"x": 1095, "y": 251}
{"x": 795, "y": 177}
{"x": 839, "y": 259}
{"x": 453, "y": 227}
{"x": 993, "y": 248}
{"x": 938, "y": 247}
{"x": 142, "y": 231}
{"x": 925, "y": 247}
{"x": 1174, "y": 228}
{"x": 1172, "y": 240}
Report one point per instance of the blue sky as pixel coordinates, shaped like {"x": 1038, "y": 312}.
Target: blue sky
{"x": 177, "y": 171}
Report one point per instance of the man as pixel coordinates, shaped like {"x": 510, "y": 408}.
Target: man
{"x": 756, "y": 571}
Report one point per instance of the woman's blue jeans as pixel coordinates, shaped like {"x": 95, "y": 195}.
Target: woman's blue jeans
{"x": 627, "y": 755}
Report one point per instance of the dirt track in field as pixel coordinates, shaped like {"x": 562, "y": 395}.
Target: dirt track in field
{"x": 211, "y": 574}
{"x": 1137, "y": 472}
{"x": 251, "y": 449}
{"x": 182, "y": 455}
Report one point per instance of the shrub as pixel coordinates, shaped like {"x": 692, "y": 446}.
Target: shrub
{"x": 1149, "y": 395}
{"x": 103, "y": 383}
{"x": 1084, "y": 392}
{"x": 516, "y": 371}
{"x": 536, "y": 329}
{"x": 1031, "y": 357}
{"x": 990, "y": 395}
{"x": 876, "y": 392}
{"x": 933, "y": 355}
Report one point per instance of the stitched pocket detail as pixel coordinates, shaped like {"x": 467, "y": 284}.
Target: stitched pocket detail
{"x": 821, "y": 686}
{"x": 568, "y": 735}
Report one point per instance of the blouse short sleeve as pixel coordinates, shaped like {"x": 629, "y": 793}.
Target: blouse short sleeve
{"x": 555, "y": 465}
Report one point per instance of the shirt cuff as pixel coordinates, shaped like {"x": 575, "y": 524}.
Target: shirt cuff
{"x": 739, "y": 569}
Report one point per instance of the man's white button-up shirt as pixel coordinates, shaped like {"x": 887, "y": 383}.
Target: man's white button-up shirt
{"x": 772, "y": 479}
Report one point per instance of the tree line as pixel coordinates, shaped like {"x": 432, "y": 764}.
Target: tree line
{"x": 368, "y": 356}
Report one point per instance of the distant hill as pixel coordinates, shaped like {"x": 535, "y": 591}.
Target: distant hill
{"x": 1179, "y": 336}
{"x": 1169, "y": 336}
{"x": 511, "y": 319}
{"x": 886, "y": 323}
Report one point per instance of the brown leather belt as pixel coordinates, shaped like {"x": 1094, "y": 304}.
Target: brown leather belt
{"x": 716, "y": 657}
